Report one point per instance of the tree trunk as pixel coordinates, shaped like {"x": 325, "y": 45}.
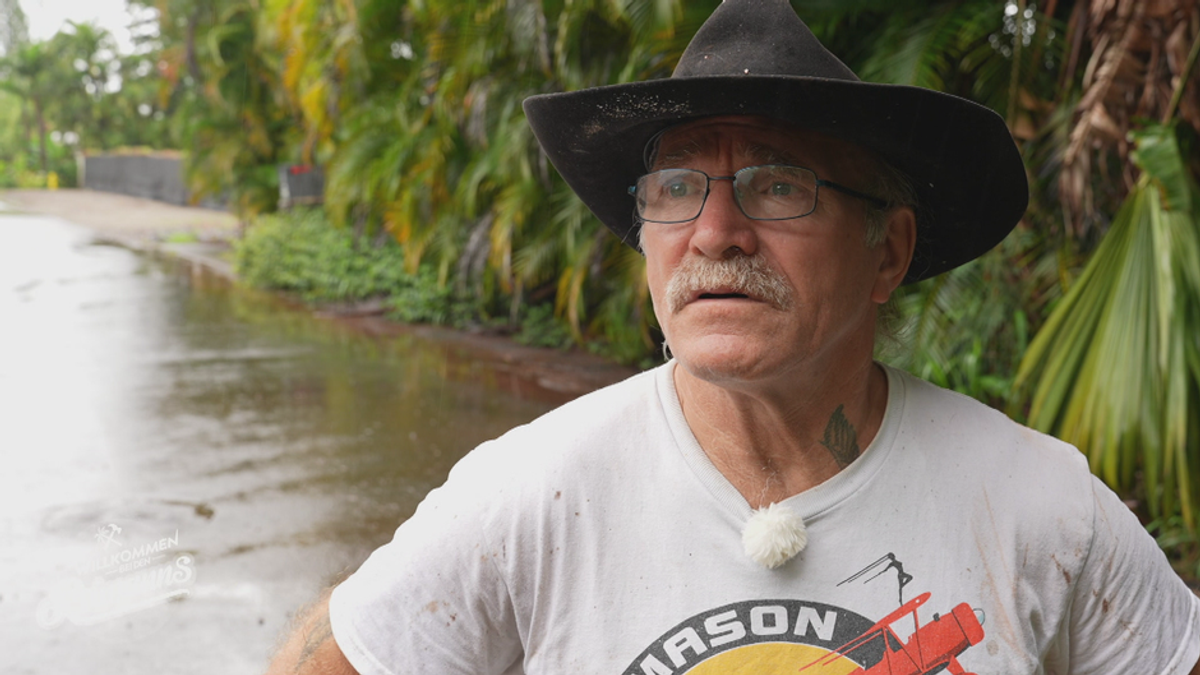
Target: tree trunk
{"x": 41, "y": 122}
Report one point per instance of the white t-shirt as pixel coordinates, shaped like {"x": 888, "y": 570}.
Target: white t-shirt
{"x": 600, "y": 539}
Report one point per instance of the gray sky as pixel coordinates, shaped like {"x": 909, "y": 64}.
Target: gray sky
{"x": 46, "y": 17}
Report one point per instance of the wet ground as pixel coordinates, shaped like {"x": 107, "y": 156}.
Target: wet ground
{"x": 186, "y": 463}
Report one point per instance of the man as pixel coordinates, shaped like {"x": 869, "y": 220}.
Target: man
{"x": 772, "y": 500}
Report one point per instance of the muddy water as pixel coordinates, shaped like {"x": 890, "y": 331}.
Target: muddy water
{"x": 185, "y": 463}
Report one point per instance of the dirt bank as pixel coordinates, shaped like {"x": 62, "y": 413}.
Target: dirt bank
{"x": 120, "y": 215}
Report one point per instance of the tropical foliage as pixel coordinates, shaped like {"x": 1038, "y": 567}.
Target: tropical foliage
{"x": 415, "y": 111}
{"x": 1117, "y": 359}
{"x": 304, "y": 255}
{"x": 222, "y": 88}
{"x": 1116, "y": 367}
{"x": 69, "y": 93}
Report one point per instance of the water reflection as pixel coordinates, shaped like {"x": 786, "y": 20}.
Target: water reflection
{"x": 279, "y": 447}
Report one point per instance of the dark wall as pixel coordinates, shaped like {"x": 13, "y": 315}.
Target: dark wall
{"x": 300, "y": 184}
{"x": 147, "y": 176}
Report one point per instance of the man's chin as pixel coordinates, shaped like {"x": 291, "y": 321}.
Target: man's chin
{"x": 724, "y": 360}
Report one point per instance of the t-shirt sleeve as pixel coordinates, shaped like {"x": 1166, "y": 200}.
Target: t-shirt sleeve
{"x": 1130, "y": 612}
{"x": 432, "y": 600}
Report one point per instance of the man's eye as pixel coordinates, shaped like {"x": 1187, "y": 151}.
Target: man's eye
{"x": 780, "y": 189}
{"x": 678, "y": 190}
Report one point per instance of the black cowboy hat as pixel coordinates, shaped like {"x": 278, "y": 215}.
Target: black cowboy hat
{"x": 756, "y": 57}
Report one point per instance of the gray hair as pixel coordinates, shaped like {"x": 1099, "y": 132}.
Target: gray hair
{"x": 896, "y": 188}
{"x": 892, "y": 186}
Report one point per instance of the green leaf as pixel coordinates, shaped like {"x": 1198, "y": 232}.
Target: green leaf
{"x": 1114, "y": 367}
{"x": 1158, "y": 155}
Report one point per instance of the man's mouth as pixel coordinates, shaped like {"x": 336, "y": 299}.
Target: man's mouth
{"x": 722, "y": 296}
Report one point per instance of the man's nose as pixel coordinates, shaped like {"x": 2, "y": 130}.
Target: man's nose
{"x": 722, "y": 226}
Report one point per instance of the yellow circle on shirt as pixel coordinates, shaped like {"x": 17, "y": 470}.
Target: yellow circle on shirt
{"x": 775, "y": 658}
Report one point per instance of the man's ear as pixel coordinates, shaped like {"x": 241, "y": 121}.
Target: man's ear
{"x": 897, "y": 249}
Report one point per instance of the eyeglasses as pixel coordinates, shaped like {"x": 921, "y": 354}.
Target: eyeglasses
{"x": 766, "y": 192}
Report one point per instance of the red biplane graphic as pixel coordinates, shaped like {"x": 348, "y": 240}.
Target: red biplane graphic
{"x": 932, "y": 648}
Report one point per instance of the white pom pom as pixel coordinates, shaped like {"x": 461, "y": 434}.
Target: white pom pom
{"x": 774, "y": 535}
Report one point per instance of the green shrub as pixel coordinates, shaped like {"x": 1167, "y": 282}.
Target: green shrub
{"x": 424, "y": 300}
{"x": 540, "y": 328}
{"x": 302, "y": 253}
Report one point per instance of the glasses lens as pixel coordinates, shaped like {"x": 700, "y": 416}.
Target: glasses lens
{"x": 776, "y": 192}
{"x": 671, "y": 195}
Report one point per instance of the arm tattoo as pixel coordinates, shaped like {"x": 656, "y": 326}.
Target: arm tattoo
{"x": 320, "y": 633}
{"x": 841, "y": 439}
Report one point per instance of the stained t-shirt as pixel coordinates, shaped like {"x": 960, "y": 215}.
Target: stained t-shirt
{"x": 601, "y": 539}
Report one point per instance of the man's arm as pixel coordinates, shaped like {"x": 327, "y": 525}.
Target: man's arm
{"x": 311, "y": 649}
{"x": 1196, "y": 668}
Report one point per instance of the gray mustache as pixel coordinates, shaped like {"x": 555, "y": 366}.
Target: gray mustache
{"x": 749, "y": 275}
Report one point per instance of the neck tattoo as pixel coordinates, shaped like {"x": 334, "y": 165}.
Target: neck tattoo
{"x": 840, "y": 439}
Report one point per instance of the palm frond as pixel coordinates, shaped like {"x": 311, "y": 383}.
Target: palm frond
{"x": 1113, "y": 368}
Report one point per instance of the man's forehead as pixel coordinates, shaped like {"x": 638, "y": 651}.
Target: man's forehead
{"x": 758, "y": 139}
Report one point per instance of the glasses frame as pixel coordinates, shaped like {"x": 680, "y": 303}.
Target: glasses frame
{"x": 819, "y": 182}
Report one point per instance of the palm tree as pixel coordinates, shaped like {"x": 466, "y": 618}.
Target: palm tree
{"x": 1116, "y": 368}
{"x": 85, "y": 62}
{"x": 227, "y": 105}
{"x": 28, "y": 73}
{"x": 325, "y": 66}
{"x": 14, "y": 28}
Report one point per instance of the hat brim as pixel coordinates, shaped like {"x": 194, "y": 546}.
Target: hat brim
{"x": 965, "y": 167}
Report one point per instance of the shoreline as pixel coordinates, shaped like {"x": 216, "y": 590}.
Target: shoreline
{"x": 201, "y": 237}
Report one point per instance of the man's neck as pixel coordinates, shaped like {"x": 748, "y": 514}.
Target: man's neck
{"x": 774, "y": 441}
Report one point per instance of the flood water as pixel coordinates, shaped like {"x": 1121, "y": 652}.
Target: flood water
{"x": 186, "y": 463}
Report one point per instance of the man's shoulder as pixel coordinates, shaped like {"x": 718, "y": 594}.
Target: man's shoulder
{"x": 614, "y": 411}
{"x": 585, "y": 430}
{"x": 1006, "y": 479}
{"x": 946, "y": 413}
{"x": 947, "y": 426}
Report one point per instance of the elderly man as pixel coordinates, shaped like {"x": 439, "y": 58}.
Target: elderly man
{"x": 772, "y": 500}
